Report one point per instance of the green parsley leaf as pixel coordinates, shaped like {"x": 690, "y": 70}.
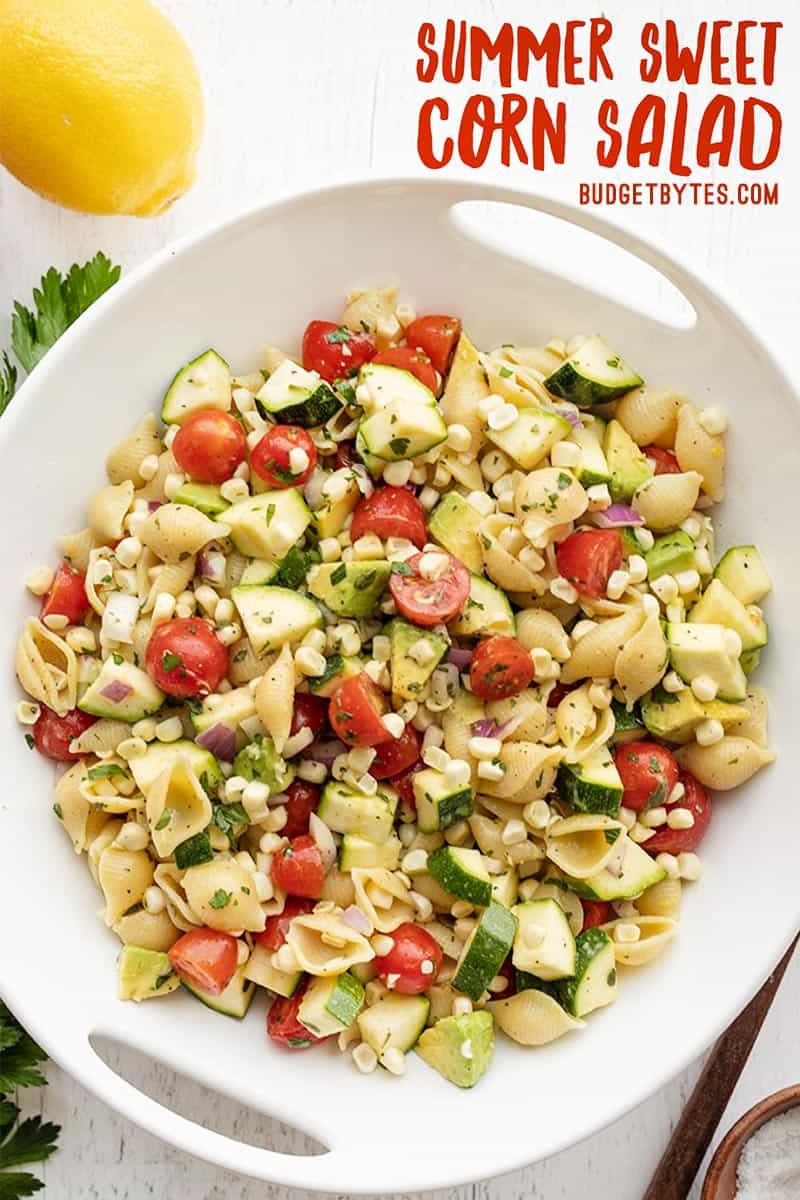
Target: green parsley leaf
{"x": 8, "y": 382}
{"x": 504, "y": 373}
{"x": 118, "y": 659}
{"x": 18, "y": 1062}
{"x": 270, "y": 513}
{"x": 339, "y": 574}
{"x": 58, "y": 810}
{"x": 228, "y": 816}
{"x": 58, "y": 302}
{"x": 338, "y": 336}
{"x": 399, "y": 445}
{"x": 170, "y": 661}
{"x": 220, "y": 899}
{"x": 106, "y": 771}
{"x": 32, "y": 1141}
{"x": 15, "y": 1185}
{"x": 30, "y": 740}
{"x": 564, "y": 481}
{"x": 401, "y": 568}
{"x": 194, "y": 705}
{"x": 362, "y": 582}
{"x": 165, "y": 818}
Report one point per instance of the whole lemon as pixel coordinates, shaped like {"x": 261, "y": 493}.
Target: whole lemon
{"x": 101, "y": 107}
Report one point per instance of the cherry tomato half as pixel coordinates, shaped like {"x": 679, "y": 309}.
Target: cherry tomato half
{"x": 309, "y": 712}
{"x": 186, "y": 658}
{"x": 271, "y": 458}
{"x": 648, "y": 773}
{"x": 395, "y": 757}
{"x": 588, "y": 557}
{"x": 429, "y": 602}
{"x": 437, "y": 337}
{"x": 500, "y": 668}
{"x": 52, "y": 734}
{"x": 415, "y": 958}
{"x": 356, "y": 709}
{"x": 297, "y": 868}
{"x": 335, "y": 351}
{"x": 301, "y": 800}
{"x": 273, "y": 935}
{"x": 595, "y": 912}
{"x": 67, "y": 595}
{"x": 390, "y": 512}
{"x": 205, "y": 958}
{"x": 408, "y": 359}
{"x": 403, "y": 784}
{"x": 283, "y": 1026}
{"x": 210, "y": 445}
{"x": 665, "y": 461}
{"x": 681, "y": 841}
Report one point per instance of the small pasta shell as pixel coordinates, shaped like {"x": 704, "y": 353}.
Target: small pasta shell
{"x": 642, "y": 661}
{"x": 549, "y": 497}
{"x": 578, "y": 845}
{"x": 151, "y": 931}
{"x": 593, "y": 740}
{"x": 104, "y": 735}
{"x": 154, "y": 488}
{"x": 170, "y": 577}
{"x": 74, "y": 807}
{"x": 532, "y": 1018}
{"x": 595, "y": 654}
{"x": 46, "y": 667}
{"x": 699, "y": 451}
{"x": 366, "y": 309}
{"x": 488, "y": 834}
{"x": 539, "y": 629}
{"x": 566, "y": 900}
{"x": 528, "y": 766}
{"x": 324, "y": 944}
{"x": 274, "y": 698}
{"x": 76, "y": 548}
{"x": 124, "y": 877}
{"x": 128, "y": 455}
{"x": 575, "y": 716}
{"x": 466, "y": 387}
{"x": 108, "y": 509}
{"x": 207, "y": 887}
{"x": 235, "y": 565}
{"x": 754, "y": 726}
{"x": 727, "y": 764}
{"x": 176, "y": 531}
{"x": 244, "y": 663}
{"x": 661, "y": 900}
{"x": 450, "y": 945}
{"x": 101, "y": 841}
{"x": 338, "y": 887}
{"x": 528, "y": 711}
{"x": 382, "y": 897}
{"x": 540, "y": 361}
{"x": 272, "y": 357}
{"x": 650, "y": 415}
{"x": 502, "y": 567}
{"x": 665, "y": 501}
{"x": 177, "y": 807}
{"x": 170, "y": 879}
{"x": 655, "y": 934}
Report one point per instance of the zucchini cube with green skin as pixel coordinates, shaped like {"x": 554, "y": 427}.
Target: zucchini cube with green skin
{"x": 273, "y": 616}
{"x": 204, "y": 496}
{"x": 258, "y": 572}
{"x": 628, "y": 726}
{"x": 259, "y": 969}
{"x": 639, "y": 872}
{"x": 338, "y": 667}
{"x": 229, "y": 709}
{"x": 742, "y": 571}
{"x": 205, "y": 382}
{"x": 143, "y": 974}
{"x": 266, "y": 526}
{"x": 486, "y": 612}
{"x": 138, "y": 695}
{"x": 462, "y": 873}
{"x": 544, "y": 944}
{"x": 460, "y": 1048}
{"x": 294, "y": 396}
{"x": 350, "y": 589}
{"x": 594, "y": 983}
{"x": 194, "y": 851}
{"x": 356, "y": 852}
{"x": 160, "y": 755}
{"x": 593, "y": 375}
{"x": 674, "y": 716}
{"x": 696, "y": 649}
{"x": 505, "y": 887}
{"x": 331, "y": 1005}
{"x": 719, "y": 606}
{"x": 409, "y": 644}
{"x": 394, "y": 1022}
{"x": 669, "y": 554}
{"x": 234, "y": 1001}
{"x": 627, "y": 465}
{"x": 592, "y": 469}
{"x": 485, "y": 951}
{"x": 260, "y": 761}
{"x": 592, "y": 786}
{"x": 402, "y": 419}
{"x": 439, "y": 804}
{"x": 454, "y": 525}
{"x": 347, "y": 811}
{"x": 531, "y": 437}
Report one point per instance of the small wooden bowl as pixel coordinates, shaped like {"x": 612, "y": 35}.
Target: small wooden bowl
{"x": 720, "y": 1181}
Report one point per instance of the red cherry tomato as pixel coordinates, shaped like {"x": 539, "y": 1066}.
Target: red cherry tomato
{"x": 356, "y": 709}
{"x": 500, "y": 668}
{"x": 186, "y": 658}
{"x": 429, "y": 602}
{"x": 271, "y": 457}
{"x": 390, "y": 512}
{"x": 681, "y": 841}
{"x": 395, "y": 757}
{"x": 210, "y": 445}
{"x": 648, "y": 773}
{"x": 413, "y": 946}
{"x": 283, "y": 1025}
{"x": 408, "y": 359}
{"x": 301, "y": 800}
{"x": 335, "y": 351}
{"x": 595, "y": 912}
{"x": 273, "y": 935}
{"x": 67, "y": 595}
{"x": 587, "y": 559}
{"x": 205, "y": 958}
{"x": 297, "y": 868}
{"x": 558, "y": 693}
{"x": 403, "y": 784}
{"x": 435, "y": 336}
{"x": 52, "y": 734}
{"x": 665, "y": 460}
{"x": 309, "y": 712}
{"x": 346, "y": 455}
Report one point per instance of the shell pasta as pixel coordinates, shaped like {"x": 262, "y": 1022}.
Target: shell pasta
{"x": 395, "y": 680}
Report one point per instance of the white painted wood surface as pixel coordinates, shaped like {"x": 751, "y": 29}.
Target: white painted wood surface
{"x": 300, "y": 91}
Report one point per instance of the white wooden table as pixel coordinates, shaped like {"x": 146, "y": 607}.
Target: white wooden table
{"x": 299, "y": 91}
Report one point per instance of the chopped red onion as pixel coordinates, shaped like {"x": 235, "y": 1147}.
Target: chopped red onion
{"x": 154, "y": 505}
{"x": 211, "y": 565}
{"x": 459, "y": 658}
{"x": 569, "y": 413}
{"x": 220, "y": 740}
{"x": 617, "y": 515}
{"x": 116, "y": 691}
{"x": 354, "y": 917}
{"x": 484, "y": 728}
{"x": 490, "y": 729}
{"x": 325, "y": 750}
{"x": 365, "y": 484}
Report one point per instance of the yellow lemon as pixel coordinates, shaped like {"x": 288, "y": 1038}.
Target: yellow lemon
{"x": 101, "y": 107}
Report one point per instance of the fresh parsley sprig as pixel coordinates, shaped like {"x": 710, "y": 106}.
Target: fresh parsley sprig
{"x": 21, "y": 1142}
{"x": 8, "y": 382}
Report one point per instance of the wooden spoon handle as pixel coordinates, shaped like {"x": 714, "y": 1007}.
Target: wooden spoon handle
{"x": 692, "y": 1135}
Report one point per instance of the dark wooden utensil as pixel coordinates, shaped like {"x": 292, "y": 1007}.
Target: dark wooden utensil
{"x": 692, "y": 1135}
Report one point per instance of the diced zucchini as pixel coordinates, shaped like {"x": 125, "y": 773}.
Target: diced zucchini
{"x": 230, "y": 708}
{"x": 719, "y": 606}
{"x": 592, "y": 786}
{"x": 234, "y": 1001}
{"x": 487, "y": 611}
{"x": 258, "y": 572}
{"x": 356, "y": 852}
{"x": 674, "y": 716}
{"x": 337, "y": 669}
{"x": 396, "y": 1021}
{"x": 344, "y": 810}
{"x": 204, "y": 496}
{"x": 462, "y": 874}
{"x": 594, "y": 374}
{"x": 669, "y": 554}
{"x": 137, "y": 695}
{"x": 627, "y": 464}
{"x": 415, "y": 654}
{"x": 628, "y": 726}
{"x": 439, "y": 804}
{"x": 143, "y": 974}
{"x": 350, "y": 589}
{"x": 544, "y": 944}
{"x": 331, "y": 1005}
{"x": 294, "y": 396}
{"x": 460, "y": 1047}
{"x": 273, "y": 616}
{"x": 485, "y": 951}
{"x": 405, "y": 420}
{"x": 505, "y": 887}
{"x": 454, "y": 525}
{"x": 267, "y": 525}
{"x": 531, "y": 437}
{"x": 594, "y": 983}
{"x": 160, "y": 755}
{"x": 639, "y": 872}
{"x": 194, "y": 851}
{"x": 742, "y": 571}
{"x": 259, "y": 969}
{"x": 205, "y": 382}
{"x": 592, "y": 468}
{"x": 696, "y": 649}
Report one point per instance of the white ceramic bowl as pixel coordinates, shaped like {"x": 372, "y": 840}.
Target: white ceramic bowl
{"x": 261, "y": 278}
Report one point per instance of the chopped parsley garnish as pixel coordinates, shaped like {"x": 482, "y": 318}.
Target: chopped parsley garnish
{"x": 118, "y": 659}
{"x": 270, "y": 513}
{"x": 399, "y": 445}
{"x": 338, "y": 336}
{"x": 194, "y": 705}
{"x": 164, "y": 820}
{"x": 339, "y": 574}
{"x": 362, "y": 582}
{"x": 401, "y": 568}
{"x": 29, "y": 738}
{"x": 106, "y": 771}
{"x": 564, "y": 481}
{"x": 228, "y": 816}
{"x": 58, "y": 810}
{"x": 220, "y": 899}
{"x": 505, "y": 373}
{"x": 170, "y": 661}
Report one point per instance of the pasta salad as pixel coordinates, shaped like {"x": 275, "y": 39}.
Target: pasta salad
{"x": 393, "y": 678}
